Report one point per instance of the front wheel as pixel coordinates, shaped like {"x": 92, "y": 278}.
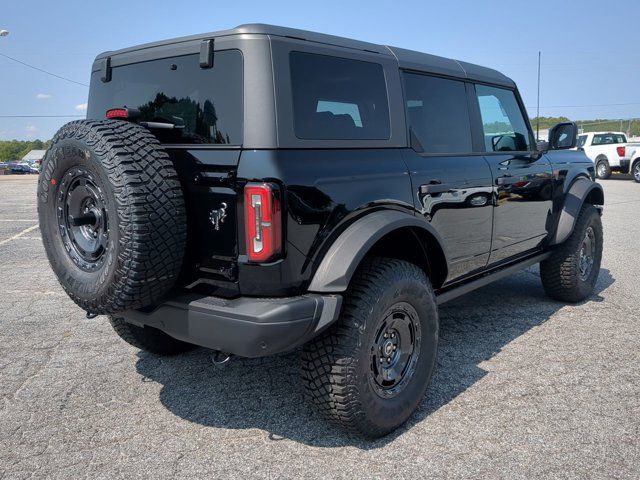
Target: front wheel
{"x": 370, "y": 371}
{"x": 571, "y": 272}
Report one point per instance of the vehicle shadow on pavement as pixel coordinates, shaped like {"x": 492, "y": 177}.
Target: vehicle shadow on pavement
{"x": 266, "y": 395}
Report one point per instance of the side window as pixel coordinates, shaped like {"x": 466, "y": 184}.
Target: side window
{"x": 505, "y": 129}
{"x": 437, "y": 112}
{"x": 338, "y": 98}
{"x": 582, "y": 139}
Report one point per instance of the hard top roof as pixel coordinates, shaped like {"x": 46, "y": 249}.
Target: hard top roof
{"x": 408, "y": 59}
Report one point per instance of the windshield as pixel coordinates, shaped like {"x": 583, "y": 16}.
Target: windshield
{"x": 204, "y": 104}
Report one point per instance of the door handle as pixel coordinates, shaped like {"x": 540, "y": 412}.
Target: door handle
{"x": 435, "y": 188}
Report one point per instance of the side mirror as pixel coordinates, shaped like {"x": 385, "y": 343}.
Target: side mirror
{"x": 563, "y": 136}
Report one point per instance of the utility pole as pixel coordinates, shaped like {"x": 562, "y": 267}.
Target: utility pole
{"x": 538, "y": 112}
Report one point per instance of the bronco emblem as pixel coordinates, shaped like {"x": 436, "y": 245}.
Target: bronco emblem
{"x": 217, "y": 216}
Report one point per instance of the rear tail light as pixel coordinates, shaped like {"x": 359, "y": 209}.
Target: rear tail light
{"x": 621, "y": 151}
{"x": 262, "y": 217}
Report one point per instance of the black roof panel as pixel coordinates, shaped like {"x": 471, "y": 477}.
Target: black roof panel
{"x": 406, "y": 58}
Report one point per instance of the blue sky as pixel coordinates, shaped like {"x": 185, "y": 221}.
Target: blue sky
{"x": 590, "y": 49}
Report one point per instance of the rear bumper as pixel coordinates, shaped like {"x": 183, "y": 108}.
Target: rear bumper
{"x": 248, "y": 327}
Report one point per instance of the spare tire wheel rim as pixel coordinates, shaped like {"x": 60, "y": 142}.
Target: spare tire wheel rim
{"x": 587, "y": 254}
{"x": 395, "y": 350}
{"x": 82, "y": 218}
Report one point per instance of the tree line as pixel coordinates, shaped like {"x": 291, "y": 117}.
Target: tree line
{"x": 16, "y": 149}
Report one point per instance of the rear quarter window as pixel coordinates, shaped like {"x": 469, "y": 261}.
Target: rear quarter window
{"x": 206, "y": 105}
{"x": 608, "y": 139}
{"x": 338, "y": 98}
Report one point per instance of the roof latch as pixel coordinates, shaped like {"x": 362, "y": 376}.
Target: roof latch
{"x": 206, "y": 53}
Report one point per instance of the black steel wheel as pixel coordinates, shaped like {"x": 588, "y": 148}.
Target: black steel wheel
{"x": 395, "y": 350}
{"x": 370, "y": 370}
{"x": 83, "y": 218}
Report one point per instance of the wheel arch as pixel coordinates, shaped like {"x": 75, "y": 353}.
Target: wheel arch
{"x": 388, "y": 233}
{"x": 582, "y": 191}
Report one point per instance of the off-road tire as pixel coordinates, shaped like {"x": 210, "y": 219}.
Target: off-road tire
{"x": 144, "y": 229}
{"x": 148, "y": 339}
{"x": 336, "y": 367}
{"x": 603, "y": 170}
{"x": 560, "y": 273}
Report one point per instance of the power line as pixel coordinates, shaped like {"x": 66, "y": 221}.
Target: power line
{"x": 40, "y": 116}
{"x": 43, "y": 71}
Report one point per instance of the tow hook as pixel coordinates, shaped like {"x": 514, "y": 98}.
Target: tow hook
{"x": 220, "y": 359}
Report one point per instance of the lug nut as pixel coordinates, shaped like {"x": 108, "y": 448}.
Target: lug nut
{"x": 385, "y": 335}
{"x": 388, "y": 359}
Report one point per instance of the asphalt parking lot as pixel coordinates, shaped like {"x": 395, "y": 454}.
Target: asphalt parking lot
{"x": 526, "y": 387}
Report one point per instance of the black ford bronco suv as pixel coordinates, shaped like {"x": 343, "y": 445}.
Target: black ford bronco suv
{"x": 261, "y": 189}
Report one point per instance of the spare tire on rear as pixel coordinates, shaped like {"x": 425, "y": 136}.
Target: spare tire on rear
{"x": 111, "y": 214}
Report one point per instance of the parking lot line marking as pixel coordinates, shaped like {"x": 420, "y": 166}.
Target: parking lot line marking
{"x": 18, "y": 235}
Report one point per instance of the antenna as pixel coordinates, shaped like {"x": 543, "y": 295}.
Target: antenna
{"x": 538, "y": 113}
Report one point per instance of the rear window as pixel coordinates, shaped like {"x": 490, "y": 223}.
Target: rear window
{"x": 338, "y": 98}
{"x": 608, "y": 139}
{"x": 205, "y": 105}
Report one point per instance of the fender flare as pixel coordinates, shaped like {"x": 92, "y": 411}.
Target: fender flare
{"x": 574, "y": 199}
{"x": 345, "y": 254}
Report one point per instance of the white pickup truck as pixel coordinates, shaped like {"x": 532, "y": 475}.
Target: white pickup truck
{"x": 610, "y": 152}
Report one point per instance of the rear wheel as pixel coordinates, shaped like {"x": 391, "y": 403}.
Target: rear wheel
{"x": 148, "y": 339}
{"x": 603, "y": 170}
{"x": 369, "y": 372}
{"x": 636, "y": 171}
{"x": 570, "y": 274}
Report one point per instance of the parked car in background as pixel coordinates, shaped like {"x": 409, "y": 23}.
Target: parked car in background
{"x": 20, "y": 168}
{"x": 609, "y": 152}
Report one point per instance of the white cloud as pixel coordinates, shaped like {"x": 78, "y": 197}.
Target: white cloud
{"x": 82, "y": 107}
{"x": 43, "y": 96}
{"x": 31, "y": 130}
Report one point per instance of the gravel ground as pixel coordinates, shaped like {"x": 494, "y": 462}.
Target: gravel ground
{"x": 526, "y": 387}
